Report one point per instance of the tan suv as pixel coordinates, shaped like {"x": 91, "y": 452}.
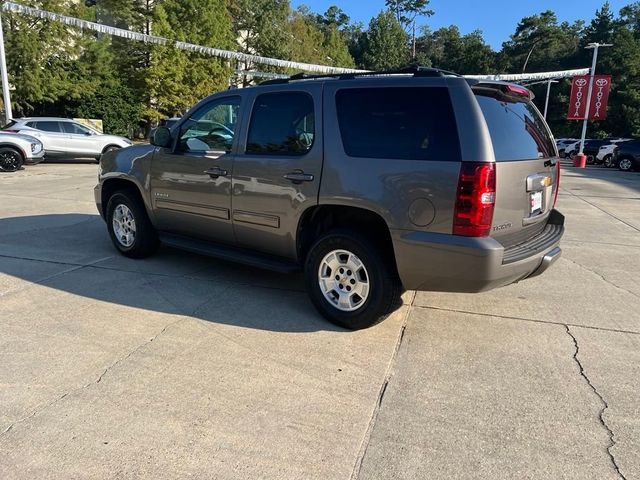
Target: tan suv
{"x": 370, "y": 183}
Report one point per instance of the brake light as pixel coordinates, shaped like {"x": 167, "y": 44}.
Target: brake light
{"x": 555, "y": 197}
{"x": 475, "y": 199}
{"x": 517, "y": 90}
{"x": 11, "y": 131}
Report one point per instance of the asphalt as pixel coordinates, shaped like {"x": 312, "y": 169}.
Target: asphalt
{"x": 181, "y": 366}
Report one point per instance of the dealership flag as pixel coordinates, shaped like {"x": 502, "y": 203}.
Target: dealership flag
{"x": 599, "y": 97}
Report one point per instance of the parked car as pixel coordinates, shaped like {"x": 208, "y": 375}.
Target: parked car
{"x": 627, "y": 155}
{"x": 370, "y": 184}
{"x": 606, "y": 153}
{"x": 563, "y": 143}
{"x": 17, "y": 150}
{"x": 66, "y": 139}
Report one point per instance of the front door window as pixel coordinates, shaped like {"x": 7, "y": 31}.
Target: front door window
{"x": 211, "y": 128}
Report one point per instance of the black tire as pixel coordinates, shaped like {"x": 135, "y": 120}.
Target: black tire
{"x": 108, "y": 148}
{"x": 591, "y": 160}
{"x": 608, "y": 162}
{"x": 625, "y": 164}
{"x": 145, "y": 241}
{"x": 384, "y": 290}
{"x": 11, "y": 159}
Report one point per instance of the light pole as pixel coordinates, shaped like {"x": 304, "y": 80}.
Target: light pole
{"x": 5, "y": 78}
{"x": 546, "y": 102}
{"x": 595, "y": 47}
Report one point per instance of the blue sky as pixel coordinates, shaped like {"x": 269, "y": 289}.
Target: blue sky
{"x": 496, "y": 18}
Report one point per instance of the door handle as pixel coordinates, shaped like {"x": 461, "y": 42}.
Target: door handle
{"x": 298, "y": 177}
{"x": 216, "y": 172}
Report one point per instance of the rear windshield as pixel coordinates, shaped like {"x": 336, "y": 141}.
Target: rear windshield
{"x": 517, "y": 130}
{"x": 415, "y": 123}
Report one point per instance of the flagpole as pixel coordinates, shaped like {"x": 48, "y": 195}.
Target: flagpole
{"x": 5, "y": 78}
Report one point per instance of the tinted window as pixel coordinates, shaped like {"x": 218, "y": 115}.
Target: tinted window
{"x": 517, "y": 130}
{"x": 69, "y": 127}
{"x": 48, "y": 126}
{"x": 212, "y": 127}
{"x": 399, "y": 123}
{"x": 282, "y": 124}
{"x": 9, "y": 125}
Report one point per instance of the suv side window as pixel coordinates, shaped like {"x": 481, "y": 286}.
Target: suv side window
{"x": 405, "y": 123}
{"x": 282, "y": 123}
{"x": 212, "y": 127}
{"x": 74, "y": 128}
{"x": 48, "y": 126}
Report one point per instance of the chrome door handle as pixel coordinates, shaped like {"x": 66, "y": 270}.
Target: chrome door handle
{"x": 216, "y": 172}
{"x": 299, "y": 177}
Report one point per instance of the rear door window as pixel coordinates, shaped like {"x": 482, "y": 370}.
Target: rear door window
{"x": 48, "y": 126}
{"x": 404, "y": 123}
{"x": 517, "y": 129}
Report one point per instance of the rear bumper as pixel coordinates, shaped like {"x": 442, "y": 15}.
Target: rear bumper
{"x": 449, "y": 263}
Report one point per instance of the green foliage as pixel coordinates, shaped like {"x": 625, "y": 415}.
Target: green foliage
{"x": 177, "y": 79}
{"x": 116, "y": 106}
{"x": 406, "y": 11}
{"x": 385, "y": 43}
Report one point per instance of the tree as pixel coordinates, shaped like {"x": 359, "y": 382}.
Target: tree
{"x": 406, "y": 11}
{"x": 177, "y": 79}
{"x": 385, "y": 43}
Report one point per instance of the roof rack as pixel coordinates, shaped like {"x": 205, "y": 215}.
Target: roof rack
{"x": 416, "y": 70}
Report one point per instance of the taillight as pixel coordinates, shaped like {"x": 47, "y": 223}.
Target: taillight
{"x": 11, "y": 131}
{"x": 555, "y": 197}
{"x": 475, "y": 199}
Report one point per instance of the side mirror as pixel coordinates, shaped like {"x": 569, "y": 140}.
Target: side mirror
{"x": 88, "y": 134}
{"x": 161, "y": 137}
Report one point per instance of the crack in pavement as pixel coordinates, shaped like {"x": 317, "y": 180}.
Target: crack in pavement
{"x": 604, "y": 211}
{"x": 364, "y": 443}
{"x": 122, "y": 359}
{"x": 524, "y": 319}
{"x": 602, "y": 277}
{"x": 605, "y": 405}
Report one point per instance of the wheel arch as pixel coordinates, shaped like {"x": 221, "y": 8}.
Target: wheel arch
{"x": 109, "y": 145}
{"x": 112, "y": 185}
{"x": 16, "y": 148}
{"x": 319, "y": 219}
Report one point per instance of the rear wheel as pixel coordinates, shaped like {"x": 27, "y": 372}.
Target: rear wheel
{"x": 129, "y": 226}
{"x": 10, "y": 160}
{"x": 350, "y": 280}
{"x": 625, "y": 164}
{"x": 591, "y": 160}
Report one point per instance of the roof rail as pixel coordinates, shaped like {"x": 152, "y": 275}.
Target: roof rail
{"x": 416, "y": 70}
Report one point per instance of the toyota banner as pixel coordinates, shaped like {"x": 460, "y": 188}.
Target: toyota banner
{"x": 599, "y": 97}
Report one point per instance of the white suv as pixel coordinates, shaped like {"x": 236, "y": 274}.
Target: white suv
{"x": 65, "y": 138}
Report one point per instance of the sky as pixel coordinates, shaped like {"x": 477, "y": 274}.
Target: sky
{"x": 496, "y": 18}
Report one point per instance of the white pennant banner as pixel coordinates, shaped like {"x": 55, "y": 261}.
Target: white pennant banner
{"x": 214, "y": 52}
{"x": 244, "y": 57}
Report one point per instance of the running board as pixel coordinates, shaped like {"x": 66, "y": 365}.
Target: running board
{"x": 232, "y": 254}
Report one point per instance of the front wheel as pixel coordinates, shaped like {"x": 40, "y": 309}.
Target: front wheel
{"x": 351, "y": 280}
{"x": 129, "y": 226}
{"x": 10, "y": 160}
{"x": 625, "y": 164}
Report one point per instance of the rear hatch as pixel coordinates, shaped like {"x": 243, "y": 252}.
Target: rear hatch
{"x": 527, "y": 164}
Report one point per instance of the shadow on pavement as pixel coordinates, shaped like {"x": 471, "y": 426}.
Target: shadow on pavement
{"x": 72, "y": 253}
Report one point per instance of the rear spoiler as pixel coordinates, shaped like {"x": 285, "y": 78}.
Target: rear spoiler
{"x": 497, "y": 88}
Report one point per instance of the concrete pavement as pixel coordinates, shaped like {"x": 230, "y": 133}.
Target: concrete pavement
{"x": 181, "y": 366}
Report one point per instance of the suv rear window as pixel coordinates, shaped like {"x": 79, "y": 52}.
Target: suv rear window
{"x": 9, "y": 125}
{"x": 404, "y": 123}
{"x": 517, "y": 130}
